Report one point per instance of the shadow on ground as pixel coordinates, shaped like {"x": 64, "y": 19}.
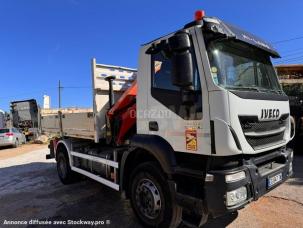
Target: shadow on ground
{"x": 297, "y": 178}
{"x": 33, "y": 191}
{"x": 297, "y": 145}
{"x": 5, "y": 147}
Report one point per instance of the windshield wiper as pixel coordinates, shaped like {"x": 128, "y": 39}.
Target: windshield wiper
{"x": 255, "y": 89}
{"x": 273, "y": 91}
{"x": 243, "y": 88}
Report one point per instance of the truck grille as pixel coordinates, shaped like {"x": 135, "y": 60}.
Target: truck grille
{"x": 261, "y": 134}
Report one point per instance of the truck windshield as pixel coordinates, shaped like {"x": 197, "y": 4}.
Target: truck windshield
{"x": 237, "y": 66}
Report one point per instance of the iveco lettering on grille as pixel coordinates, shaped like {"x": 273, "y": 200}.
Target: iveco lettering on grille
{"x": 270, "y": 113}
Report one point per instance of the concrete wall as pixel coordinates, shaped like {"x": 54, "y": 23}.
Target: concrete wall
{"x": 53, "y": 111}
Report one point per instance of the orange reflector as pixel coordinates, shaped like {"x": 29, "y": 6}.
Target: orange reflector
{"x": 199, "y": 14}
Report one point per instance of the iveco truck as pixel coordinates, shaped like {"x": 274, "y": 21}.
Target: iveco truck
{"x": 199, "y": 130}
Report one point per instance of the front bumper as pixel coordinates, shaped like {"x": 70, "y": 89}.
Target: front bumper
{"x": 257, "y": 171}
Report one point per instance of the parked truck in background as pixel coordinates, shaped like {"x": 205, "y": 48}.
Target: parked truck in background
{"x": 2, "y": 119}
{"x": 198, "y": 131}
{"x": 25, "y": 117}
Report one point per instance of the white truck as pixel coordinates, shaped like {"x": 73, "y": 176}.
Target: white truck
{"x": 200, "y": 130}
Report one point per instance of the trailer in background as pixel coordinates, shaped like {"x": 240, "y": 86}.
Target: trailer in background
{"x": 2, "y": 119}
{"x": 25, "y": 117}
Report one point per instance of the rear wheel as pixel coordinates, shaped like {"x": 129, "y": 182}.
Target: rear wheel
{"x": 66, "y": 175}
{"x": 151, "y": 198}
{"x": 16, "y": 144}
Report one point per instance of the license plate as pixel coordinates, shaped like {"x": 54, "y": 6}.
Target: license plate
{"x": 271, "y": 181}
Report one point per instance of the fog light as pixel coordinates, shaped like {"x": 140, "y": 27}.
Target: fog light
{"x": 236, "y": 196}
{"x": 235, "y": 177}
{"x": 209, "y": 177}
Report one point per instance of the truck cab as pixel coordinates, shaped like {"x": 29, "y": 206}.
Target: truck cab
{"x": 232, "y": 86}
{"x": 208, "y": 132}
{"x": 229, "y": 111}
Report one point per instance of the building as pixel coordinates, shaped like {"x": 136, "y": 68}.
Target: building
{"x": 290, "y": 73}
{"x": 291, "y": 78}
{"x": 46, "y": 102}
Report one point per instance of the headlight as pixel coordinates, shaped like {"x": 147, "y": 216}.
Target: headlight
{"x": 236, "y": 196}
{"x": 235, "y": 177}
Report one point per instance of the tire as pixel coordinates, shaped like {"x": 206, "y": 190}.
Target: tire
{"x": 66, "y": 175}
{"x": 151, "y": 198}
{"x": 16, "y": 143}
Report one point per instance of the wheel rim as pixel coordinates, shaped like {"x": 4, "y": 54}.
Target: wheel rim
{"x": 148, "y": 199}
{"x": 62, "y": 168}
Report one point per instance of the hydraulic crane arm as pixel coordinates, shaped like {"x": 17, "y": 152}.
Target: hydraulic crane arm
{"x": 121, "y": 117}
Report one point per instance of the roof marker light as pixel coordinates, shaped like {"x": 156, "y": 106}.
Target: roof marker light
{"x": 199, "y": 14}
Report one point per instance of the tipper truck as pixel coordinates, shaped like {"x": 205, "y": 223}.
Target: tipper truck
{"x": 198, "y": 131}
{"x": 25, "y": 117}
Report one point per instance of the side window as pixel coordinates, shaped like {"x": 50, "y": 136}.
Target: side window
{"x": 170, "y": 95}
{"x": 263, "y": 79}
{"x": 162, "y": 72}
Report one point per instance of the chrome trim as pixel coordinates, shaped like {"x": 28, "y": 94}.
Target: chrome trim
{"x": 265, "y": 133}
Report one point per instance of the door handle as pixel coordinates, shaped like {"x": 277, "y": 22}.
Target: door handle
{"x": 153, "y": 126}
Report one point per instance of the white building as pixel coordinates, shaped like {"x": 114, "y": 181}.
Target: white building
{"x": 46, "y": 102}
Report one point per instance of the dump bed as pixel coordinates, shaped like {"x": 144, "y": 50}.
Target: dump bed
{"x": 24, "y": 114}
{"x": 90, "y": 124}
{"x": 79, "y": 125}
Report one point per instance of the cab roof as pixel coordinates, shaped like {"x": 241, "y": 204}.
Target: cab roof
{"x": 217, "y": 26}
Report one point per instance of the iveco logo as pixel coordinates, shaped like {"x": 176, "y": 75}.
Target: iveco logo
{"x": 270, "y": 113}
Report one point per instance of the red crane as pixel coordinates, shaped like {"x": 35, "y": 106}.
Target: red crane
{"x": 121, "y": 117}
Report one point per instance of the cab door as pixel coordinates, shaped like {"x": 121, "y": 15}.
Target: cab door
{"x": 173, "y": 115}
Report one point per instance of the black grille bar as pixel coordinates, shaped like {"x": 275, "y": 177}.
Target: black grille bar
{"x": 252, "y": 124}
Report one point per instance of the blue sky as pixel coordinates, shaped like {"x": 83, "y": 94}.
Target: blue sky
{"x": 42, "y": 41}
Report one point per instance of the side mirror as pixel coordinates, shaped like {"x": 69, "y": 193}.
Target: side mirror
{"x": 182, "y": 63}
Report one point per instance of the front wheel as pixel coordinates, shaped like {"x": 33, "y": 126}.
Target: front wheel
{"x": 151, "y": 198}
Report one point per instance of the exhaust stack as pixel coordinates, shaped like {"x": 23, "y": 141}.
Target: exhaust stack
{"x": 110, "y": 79}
